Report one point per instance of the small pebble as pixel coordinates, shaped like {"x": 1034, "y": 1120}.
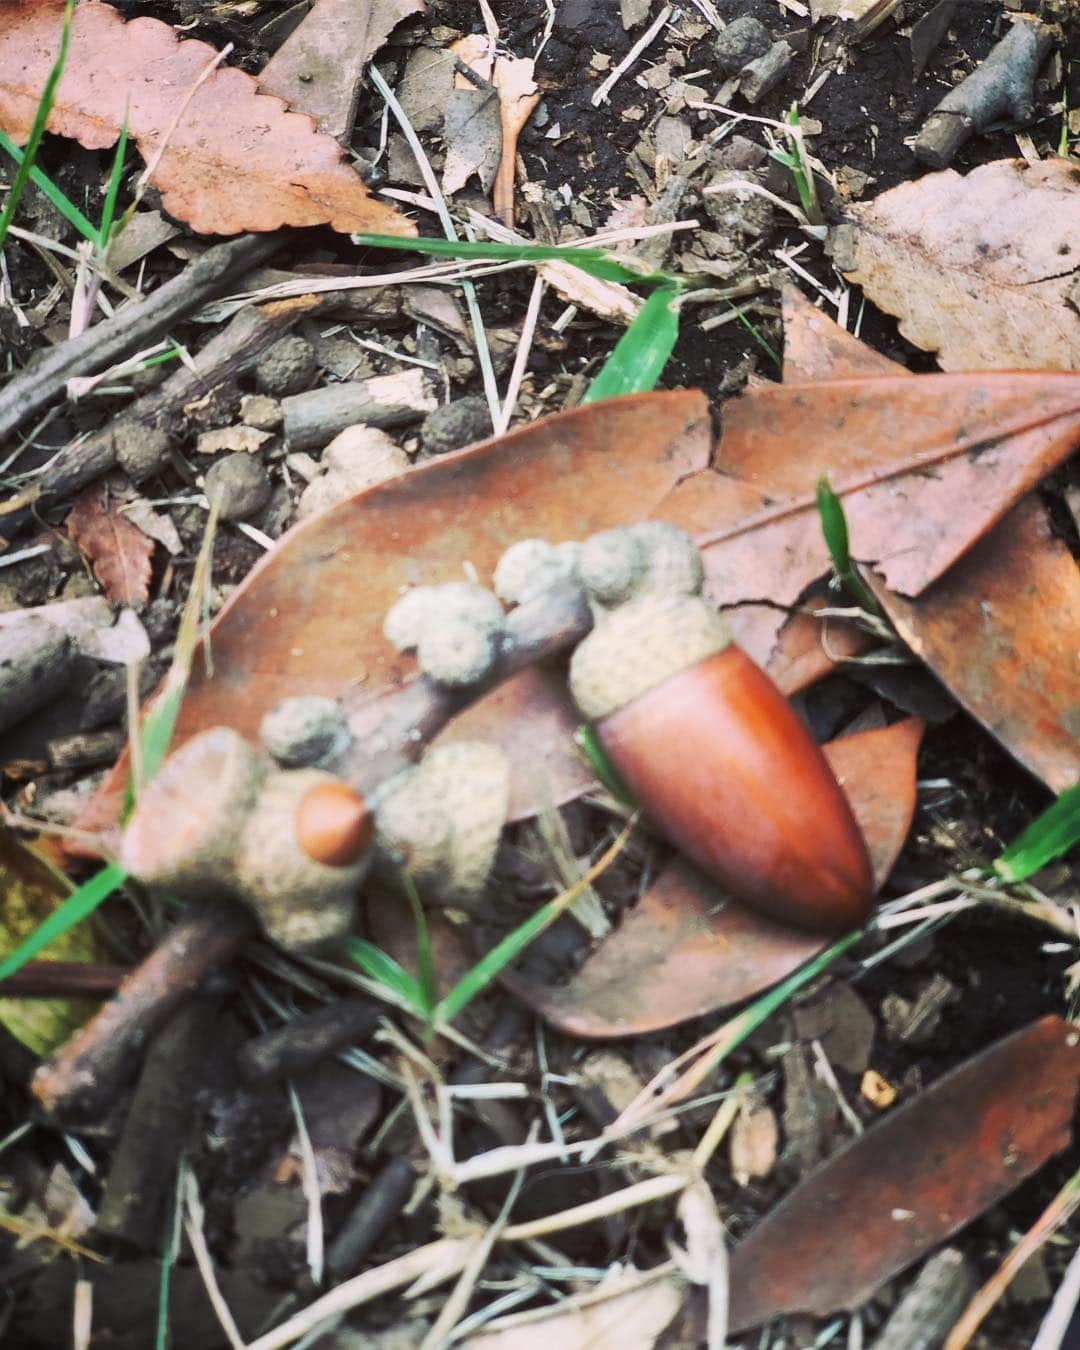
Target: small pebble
{"x": 303, "y": 731}
{"x": 765, "y": 73}
{"x": 740, "y": 42}
{"x": 455, "y": 425}
{"x": 287, "y": 368}
{"x": 140, "y": 451}
{"x": 240, "y": 483}
{"x": 261, "y": 411}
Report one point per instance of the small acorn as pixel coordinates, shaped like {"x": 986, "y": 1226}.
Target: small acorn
{"x": 719, "y": 759}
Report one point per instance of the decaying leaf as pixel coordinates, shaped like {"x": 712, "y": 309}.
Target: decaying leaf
{"x": 317, "y": 68}
{"x": 117, "y": 548}
{"x": 1000, "y": 631}
{"x": 235, "y": 160}
{"x": 999, "y": 628}
{"x": 978, "y": 268}
{"x": 912, "y": 1180}
{"x": 30, "y": 890}
{"x": 685, "y": 950}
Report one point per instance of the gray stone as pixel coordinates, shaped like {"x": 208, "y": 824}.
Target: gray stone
{"x": 740, "y": 42}
{"x": 455, "y": 425}
{"x": 240, "y": 483}
{"x": 140, "y": 451}
{"x": 287, "y": 368}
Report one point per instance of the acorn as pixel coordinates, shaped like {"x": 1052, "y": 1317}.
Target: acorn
{"x": 721, "y": 762}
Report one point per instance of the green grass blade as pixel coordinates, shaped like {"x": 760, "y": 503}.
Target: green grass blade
{"x": 44, "y": 107}
{"x": 834, "y": 529}
{"x": 59, "y": 199}
{"x": 588, "y": 742}
{"x": 382, "y": 967}
{"x": 640, "y": 355}
{"x": 1047, "y": 837}
{"x": 424, "y": 961}
{"x": 80, "y": 903}
{"x": 510, "y": 948}
{"x": 108, "y": 211}
{"x": 769, "y": 350}
{"x": 597, "y": 262}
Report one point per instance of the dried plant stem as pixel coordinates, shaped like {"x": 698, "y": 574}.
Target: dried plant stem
{"x": 1049, "y": 1221}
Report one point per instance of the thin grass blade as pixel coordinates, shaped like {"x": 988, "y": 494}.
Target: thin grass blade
{"x": 1047, "y": 837}
{"x": 59, "y": 199}
{"x": 380, "y": 966}
{"x": 79, "y": 904}
{"x": 48, "y": 94}
{"x": 835, "y": 531}
{"x": 108, "y": 211}
{"x": 597, "y": 262}
{"x": 640, "y": 355}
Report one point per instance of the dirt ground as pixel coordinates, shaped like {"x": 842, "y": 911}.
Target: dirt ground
{"x": 981, "y": 977}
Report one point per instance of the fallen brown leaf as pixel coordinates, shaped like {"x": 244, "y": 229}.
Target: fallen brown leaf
{"x": 978, "y": 268}
{"x": 912, "y": 1180}
{"x": 236, "y": 160}
{"x": 685, "y": 950}
{"x": 999, "y": 628}
{"x": 118, "y": 549}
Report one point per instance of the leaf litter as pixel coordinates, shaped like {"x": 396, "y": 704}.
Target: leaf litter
{"x": 929, "y": 582}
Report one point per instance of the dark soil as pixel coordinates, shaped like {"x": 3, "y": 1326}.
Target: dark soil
{"x": 1001, "y": 973}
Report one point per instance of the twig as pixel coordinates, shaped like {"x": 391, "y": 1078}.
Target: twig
{"x": 1002, "y": 86}
{"x": 649, "y": 36}
{"x": 104, "y": 1054}
{"x": 130, "y": 328}
{"x": 63, "y": 979}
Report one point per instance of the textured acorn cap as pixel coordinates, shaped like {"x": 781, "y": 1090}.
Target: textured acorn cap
{"x": 674, "y": 563}
{"x": 300, "y": 903}
{"x": 441, "y": 821}
{"x": 613, "y": 564}
{"x": 640, "y": 645}
{"x": 532, "y": 566}
{"x": 182, "y": 835}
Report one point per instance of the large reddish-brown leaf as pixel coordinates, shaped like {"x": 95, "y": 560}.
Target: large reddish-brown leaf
{"x": 235, "y": 160}
{"x": 1000, "y": 628}
{"x": 119, "y": 551}
{"x": 912, "y": 1180}
{"x": 308, "y": 619}
{"x": 684, "y": 950}
{"x": 925, "y": 465}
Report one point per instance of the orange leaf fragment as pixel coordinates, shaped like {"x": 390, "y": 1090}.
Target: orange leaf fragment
{"x": 119, "y": 551}
{"x": 235, "y": 160}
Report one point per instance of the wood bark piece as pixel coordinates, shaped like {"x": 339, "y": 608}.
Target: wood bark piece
{"x": 685, "y": 949}
{"x": 317, "y": 69}
{"x": 978, "y": 268}
{"x": 131, "y": 328}
{"x": 1002, "y": 87}
{"x": 224, "y": 157}
{"x": 303, "y": 1041}
{"x": 912, "y": 1180}
{"x": 144, "y": 1164}
{"x": 925, "y": 1315}
{"x": 314, "y": 418}
{"x": 36, "y": 661}
{"x": 104, "y": 1055}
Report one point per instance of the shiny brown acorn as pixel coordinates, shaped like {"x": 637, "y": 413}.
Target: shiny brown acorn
{"x": 333, "y": 825}
{"x": 718, "y": 758}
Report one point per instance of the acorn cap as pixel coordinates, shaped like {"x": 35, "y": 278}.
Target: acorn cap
{"x": 300, "y": 902}
{"x": 640, "y": 645}
{"x": 183, "y": 833}
{"x": 441, "y": 822}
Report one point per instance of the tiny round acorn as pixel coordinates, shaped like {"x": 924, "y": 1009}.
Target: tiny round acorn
{"x": 333, "y": 825}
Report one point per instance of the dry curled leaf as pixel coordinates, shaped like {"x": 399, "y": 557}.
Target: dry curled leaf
{"x": 235, "y": 159}
{"x": 119, "y": 551}
{"x": 980, "y": 269}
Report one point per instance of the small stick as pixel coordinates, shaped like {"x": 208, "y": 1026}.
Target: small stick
{"x": 303, "y": 1041}
{"x": 133, "y": 327}
{"x": 650, "y": 35}
{"x": 239, "y": 345}
{"x": 62, "y": 979}
{"x": 144, "y": 1163}
{"x": 103, "y": 1056}
{"x": 1002, "y": 86}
